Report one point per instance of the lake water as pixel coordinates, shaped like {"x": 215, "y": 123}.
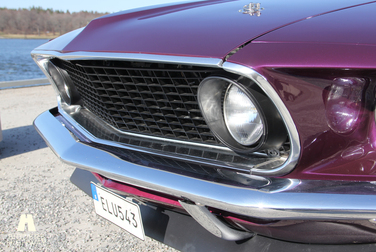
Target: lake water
{"x": 15, "y": 60}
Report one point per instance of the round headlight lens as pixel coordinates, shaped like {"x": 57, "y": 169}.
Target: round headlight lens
{"x": 242, "y": 118}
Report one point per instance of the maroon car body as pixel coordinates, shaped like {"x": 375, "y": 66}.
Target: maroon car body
{"x": 309, "y": 66}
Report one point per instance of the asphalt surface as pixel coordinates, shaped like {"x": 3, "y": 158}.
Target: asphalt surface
{"x": 35, "y": 184}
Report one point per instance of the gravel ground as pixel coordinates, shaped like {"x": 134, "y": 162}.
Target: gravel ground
{"x": 33, "y": 181}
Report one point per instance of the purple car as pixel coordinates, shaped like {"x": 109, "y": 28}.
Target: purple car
{"x": 223, "y": 125}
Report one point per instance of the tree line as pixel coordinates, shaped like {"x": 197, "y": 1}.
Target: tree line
{"x": 37, "y": 20}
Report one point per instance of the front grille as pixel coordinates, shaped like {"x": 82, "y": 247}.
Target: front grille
{"x": 147, "y": 98}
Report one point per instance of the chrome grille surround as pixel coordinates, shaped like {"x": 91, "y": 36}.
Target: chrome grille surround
{"x": 267, "y": 166}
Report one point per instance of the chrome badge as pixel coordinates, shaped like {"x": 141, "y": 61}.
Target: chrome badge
{"x": 253, "y": 9}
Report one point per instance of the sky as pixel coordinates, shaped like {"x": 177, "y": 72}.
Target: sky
{"x": 85, "y": 5}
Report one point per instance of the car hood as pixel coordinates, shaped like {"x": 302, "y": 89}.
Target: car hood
{"x": 201, "y": 29}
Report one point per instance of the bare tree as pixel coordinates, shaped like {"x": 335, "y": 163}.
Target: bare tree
{"x": 37, "y": 20}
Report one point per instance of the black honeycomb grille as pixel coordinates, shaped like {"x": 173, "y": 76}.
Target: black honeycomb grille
{"x": 147, "y": 98}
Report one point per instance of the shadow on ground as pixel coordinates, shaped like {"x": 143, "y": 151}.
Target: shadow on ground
{"x": 20, "y": 140}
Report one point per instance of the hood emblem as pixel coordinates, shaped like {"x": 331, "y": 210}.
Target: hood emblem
{"x": 253, "y": 9}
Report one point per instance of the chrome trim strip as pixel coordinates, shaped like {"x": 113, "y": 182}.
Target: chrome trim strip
{"x": 208, "y": 62}
{"x": 292, "y": 131}
{"x": 278, "y": 200}
{"x": 290, "y": 162}
{"x": 67, "y": 111}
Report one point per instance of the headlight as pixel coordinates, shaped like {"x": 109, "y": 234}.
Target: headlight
{"x": 59, "y": 79}
{"x": 63, "y": 84}
{"x": 242, "y": 117}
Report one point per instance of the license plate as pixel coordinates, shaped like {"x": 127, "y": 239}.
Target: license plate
{"x": 118, "y": 210}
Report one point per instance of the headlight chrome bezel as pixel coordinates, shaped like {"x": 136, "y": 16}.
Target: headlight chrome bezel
{"x": 62, "y": 83}
{"x": 211, "y": 93}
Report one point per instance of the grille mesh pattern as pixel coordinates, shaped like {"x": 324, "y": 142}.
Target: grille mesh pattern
{"x": 147, "y": 98}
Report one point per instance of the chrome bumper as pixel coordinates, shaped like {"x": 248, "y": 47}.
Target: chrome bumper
{"x": 280, "y": 199}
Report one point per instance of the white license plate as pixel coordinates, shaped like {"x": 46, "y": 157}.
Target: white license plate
{"x": 118, "y": 210}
